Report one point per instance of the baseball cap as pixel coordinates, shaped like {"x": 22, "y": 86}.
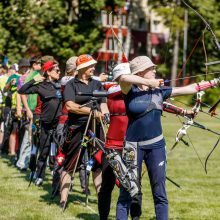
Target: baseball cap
{"x": 121, "y": 69}
{"x": 23, "y": 62}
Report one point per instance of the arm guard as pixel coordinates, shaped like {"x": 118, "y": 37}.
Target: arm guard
{"x": 207, "y": 84}
{"x": 167, "y": 107}
{"x": 173, "y": 109}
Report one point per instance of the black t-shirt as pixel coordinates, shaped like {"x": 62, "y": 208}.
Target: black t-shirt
{"x": 70, "y": 94}
{"x": 50, "y": 96}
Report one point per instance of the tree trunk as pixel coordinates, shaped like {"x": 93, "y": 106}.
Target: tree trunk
{"x": 128, "y": 37}
{"x": 120, "y": 37}
{"x": 175, "y": 59}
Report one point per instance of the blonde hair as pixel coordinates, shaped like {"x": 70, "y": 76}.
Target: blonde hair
{"x": 70, "y": 66}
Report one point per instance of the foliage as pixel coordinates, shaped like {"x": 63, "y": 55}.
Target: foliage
{"x": 56, "y": 27}
{"x": 172, "y": 13}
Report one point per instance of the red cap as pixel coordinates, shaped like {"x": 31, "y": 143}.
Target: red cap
{"x": 48, "y": 65}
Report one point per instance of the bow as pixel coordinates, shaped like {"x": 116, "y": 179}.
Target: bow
{"x": 183, "y": 131}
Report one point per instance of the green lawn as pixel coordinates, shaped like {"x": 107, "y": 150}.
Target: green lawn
{"x": 199, "y": 197}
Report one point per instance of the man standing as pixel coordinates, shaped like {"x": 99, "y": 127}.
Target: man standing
{"x": 3, "y": 80}
{"x": 29, "y": 102}
{"x": 13, "y": 105}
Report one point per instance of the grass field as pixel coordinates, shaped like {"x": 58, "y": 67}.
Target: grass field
{"x": 199, "y": 198}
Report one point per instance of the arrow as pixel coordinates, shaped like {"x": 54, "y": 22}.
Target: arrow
{"x": 188, "y": 77}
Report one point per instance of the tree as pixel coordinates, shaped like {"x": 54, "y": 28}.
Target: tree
{"x": 173, "y": 18}
{"x": 61, "y": 28}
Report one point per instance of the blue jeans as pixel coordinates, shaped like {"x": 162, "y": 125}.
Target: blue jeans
{"x": 25, "y": 151}
{"x": 155, "y": 161}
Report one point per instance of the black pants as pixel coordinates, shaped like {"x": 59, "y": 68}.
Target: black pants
{"x": 11, "y": 123}
{"x": 72, "y": 144}
{"x": 46, "y": 136}
{"x": 83, "y": 173}
{"x": 107, "y": 186}
{"x": 71, "y": 147}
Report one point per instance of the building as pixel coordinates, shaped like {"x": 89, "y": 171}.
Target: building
{"x": 137, "y": 28}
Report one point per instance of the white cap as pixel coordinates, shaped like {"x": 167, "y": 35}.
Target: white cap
{"x": 121, "y": 69}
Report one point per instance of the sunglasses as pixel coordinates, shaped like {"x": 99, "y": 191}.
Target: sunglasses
{"x": 57, "y": 70}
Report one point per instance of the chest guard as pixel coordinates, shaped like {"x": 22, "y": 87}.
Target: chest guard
{"x": 151, "y": 100}
{"x": 156, "y": 101}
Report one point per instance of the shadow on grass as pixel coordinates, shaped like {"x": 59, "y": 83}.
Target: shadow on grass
{"x": 154, "y": 218}
{"x": 72, "y": 198}
{"x": 75, "y": 197}
{"x": 82, "y": 198}
{"x": 88, "y": 216}
{"x": 17, "y": 173}
{"x": 9, "y": 160}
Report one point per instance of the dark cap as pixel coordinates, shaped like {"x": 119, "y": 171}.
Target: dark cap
{"x": 23, "y": 62}
{"x": 35, "y": 59}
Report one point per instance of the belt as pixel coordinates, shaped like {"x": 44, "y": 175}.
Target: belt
{"x": 118, "y": 114}
{"x": 148, "y": 142}
{"x": 114, "y": 142}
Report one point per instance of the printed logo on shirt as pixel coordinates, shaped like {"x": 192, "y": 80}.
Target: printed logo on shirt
{"x": 161, "y": 163}
{"x": 58, "y": 94}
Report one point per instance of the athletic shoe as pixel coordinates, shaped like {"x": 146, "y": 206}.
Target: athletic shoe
{"x": 38, "y": 181}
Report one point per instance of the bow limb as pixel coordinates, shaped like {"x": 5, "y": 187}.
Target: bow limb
{"x": 206, "y": 23}
{"x": 213, "y": 108}
{"x": 207, "y": 158}
{"x": 208, "y": 27}
{"x": 205, "y": 53}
